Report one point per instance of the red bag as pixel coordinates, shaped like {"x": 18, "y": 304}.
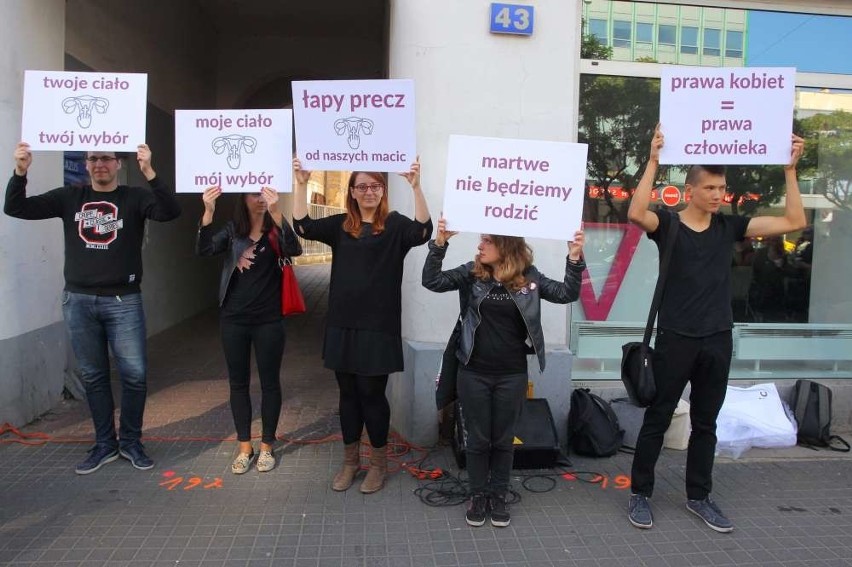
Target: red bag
{"x": 292, "y": 302}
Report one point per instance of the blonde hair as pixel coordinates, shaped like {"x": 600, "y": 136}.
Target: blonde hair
{"x": 515, "y": 258}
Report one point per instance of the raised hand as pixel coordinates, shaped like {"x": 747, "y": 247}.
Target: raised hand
{"x": 23, "y": 158}
{"x": 413, "y": 174}
{"x": 302, "y": 175}
{"x": 443, "y": 234}
{"x": 796, "y": 151}
{"x": 575, "y": 247}
{"x": 143, "y": 157}
{"x": 209, "y": 198}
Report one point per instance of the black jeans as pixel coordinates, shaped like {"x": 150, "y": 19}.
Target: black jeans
{"x": 363, "y": 402}
{"x": 491, "y": 406}
{"x": 268, "y": 340}
{"x": 703, "y": 362}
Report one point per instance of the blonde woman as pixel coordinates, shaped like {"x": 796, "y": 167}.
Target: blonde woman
{"x": 500, "y": 293}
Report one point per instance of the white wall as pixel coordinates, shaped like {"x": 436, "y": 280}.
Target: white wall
{"x": 31, "y": 252}
{"x": 472, "y": 82}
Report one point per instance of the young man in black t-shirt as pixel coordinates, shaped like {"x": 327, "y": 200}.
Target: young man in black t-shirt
{"x": 694, "y": 342}
{"x": 104, "y": 227}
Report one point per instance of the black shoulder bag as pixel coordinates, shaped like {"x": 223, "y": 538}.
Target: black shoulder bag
{"x": 636, "y": 370}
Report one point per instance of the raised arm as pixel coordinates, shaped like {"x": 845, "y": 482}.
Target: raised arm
{"x": 568, "y": 289}
{"x": 300, "y": 192}
{"x": 433, "y": 278}
{"x": 164, "y": 206}
{"x": 638, "y": 212}
{"x": 18, "y": 205}
{"x": 421, "y": 207}
{"x": 794, "y": 212}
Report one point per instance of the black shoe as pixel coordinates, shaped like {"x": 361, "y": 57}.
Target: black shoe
{"x": 499, "y": 511}
{"x": 99, "y": 455}
{"x": 639, "y": 512}
{"x": 711, "y": 514}
{"x": 135, "y": 453}
{"x": 476, "y": 510}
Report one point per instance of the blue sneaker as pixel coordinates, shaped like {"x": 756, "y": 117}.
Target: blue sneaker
{"x": 99, "y": 455}
{"x": 639, "y": 512}
{"x": 135, "y": 453}
{"x": 708, "y": 511}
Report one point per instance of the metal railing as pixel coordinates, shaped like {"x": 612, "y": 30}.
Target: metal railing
{"x": 312, "y": 249}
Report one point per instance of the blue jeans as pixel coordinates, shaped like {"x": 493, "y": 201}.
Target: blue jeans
{"x": 96, "y": 322}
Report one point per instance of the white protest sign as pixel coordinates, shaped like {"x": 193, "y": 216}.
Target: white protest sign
{"x": 515, "y": 187}
{"x": 84, "y": 111}
{"x": 727, "y": 116}
{"x": 355, "y": 125}
{"x": 237, "y": 150}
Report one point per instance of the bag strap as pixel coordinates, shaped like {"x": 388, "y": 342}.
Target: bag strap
{"x": 803, "y": 393}
{"x": 606, "y": 408}
{"x": 824, "y": 408}
{"x": 832, "y": 438}
{"x": 661, "y": 279}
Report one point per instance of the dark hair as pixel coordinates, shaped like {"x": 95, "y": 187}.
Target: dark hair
{"x": 352, "y": 224}
{"x": 242, "y": 221}
{"x": 695, "y": 171}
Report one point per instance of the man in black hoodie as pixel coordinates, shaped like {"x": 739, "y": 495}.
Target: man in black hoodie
{"x": 104, "y": 225}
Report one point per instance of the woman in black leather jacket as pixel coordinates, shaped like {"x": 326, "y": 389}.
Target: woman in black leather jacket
{"x": 250, "y": 300}
{"x": 500, "y": 293}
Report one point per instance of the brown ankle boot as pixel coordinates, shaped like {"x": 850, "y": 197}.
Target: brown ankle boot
{"x": 351, "y": 464}
{"x": 375, "y": 479}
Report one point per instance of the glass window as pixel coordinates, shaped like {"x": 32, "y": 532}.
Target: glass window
{"x": 734, "y": 44}
{"x": 621, "y": 33}
{"x": 644, "y": 32}
{"x": 666, "y": 35}
{"x": 597, "y": 28}
{"x": 712, "y": 42}
{"x": 689, "y": 40}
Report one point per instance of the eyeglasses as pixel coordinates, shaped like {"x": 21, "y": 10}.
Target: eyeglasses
{"x": 102, "y": 159}
{"x": 374, "y": 187}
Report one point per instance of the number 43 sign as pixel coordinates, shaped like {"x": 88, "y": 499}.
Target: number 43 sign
{"x": 515, "y": 19}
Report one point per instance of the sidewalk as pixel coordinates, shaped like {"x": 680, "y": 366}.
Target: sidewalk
{"x": 790, "y": 508}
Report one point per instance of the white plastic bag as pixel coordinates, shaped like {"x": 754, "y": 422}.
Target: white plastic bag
{"x": 753, "y": 417}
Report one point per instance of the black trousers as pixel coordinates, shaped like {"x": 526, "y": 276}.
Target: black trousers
{"x": 268, "y": 341}
{"x": 491, "y": 406}
{"x": 704, "y": 363}
{"x": 363, "y": 402}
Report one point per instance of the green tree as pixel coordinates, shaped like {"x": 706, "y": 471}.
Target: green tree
{"x": 617, "y": 120}
{"x": 828, "y": 155}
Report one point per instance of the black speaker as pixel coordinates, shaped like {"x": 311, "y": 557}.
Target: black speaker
{"x": 536, "y": 443}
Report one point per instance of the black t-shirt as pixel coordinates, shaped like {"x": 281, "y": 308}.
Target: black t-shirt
{"x": 697, "y": 297}
{"x": 366, "y": 272}
{"x": 254, "y": 294}
{"x": 499, "y": 345}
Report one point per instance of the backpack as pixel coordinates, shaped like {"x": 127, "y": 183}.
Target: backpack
{"x": 593, "y": 428}
{"x": 811, "y": 405}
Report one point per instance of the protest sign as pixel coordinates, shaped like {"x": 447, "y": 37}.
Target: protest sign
{"x": 355, "y": 125}
{"x": 84, "y": 111}
{"x": 237, "y": 150}
{"x": 515, "y": 187}
{"x": 726, "y": 116}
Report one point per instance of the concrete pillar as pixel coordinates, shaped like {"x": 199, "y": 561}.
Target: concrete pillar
{"x": 33, "y": 346}
{"x": 469, "y": 81}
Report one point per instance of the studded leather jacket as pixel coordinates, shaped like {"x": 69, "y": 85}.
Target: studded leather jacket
{"x": 472, "y": 291}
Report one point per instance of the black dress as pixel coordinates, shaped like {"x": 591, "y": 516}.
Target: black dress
{"x": 363, "y": 330}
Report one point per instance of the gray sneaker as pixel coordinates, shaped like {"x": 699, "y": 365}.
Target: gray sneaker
{"x": 639, "y": 512}
{"x": 711, "y": 514}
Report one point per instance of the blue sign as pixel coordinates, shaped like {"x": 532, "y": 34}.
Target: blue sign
{"x": 516, "y": 19}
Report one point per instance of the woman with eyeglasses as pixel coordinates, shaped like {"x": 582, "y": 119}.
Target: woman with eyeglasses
{"x": 363, "y": 339}
{"x": 256, "y": 241}
{"x": 500, "y": 292}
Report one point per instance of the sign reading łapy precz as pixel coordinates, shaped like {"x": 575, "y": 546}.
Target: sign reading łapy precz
{"x": 355, "y": 125}
{"x": 237, "y": 150}
{"x": 515, "y": 187}
{"x": 84, "y": 111}
{"x": 727, "y": 116}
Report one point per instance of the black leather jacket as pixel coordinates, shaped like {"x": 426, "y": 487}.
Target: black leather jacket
{"x": 210, "y": 243}
{"x": 472, "y": 292}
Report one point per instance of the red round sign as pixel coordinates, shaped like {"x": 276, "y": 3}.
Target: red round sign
{"x": 670, "y": 195}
